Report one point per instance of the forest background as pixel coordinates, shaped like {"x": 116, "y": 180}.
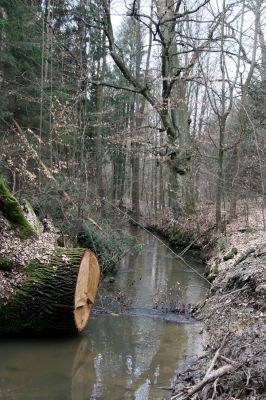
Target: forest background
{"x": 151, "y": 107}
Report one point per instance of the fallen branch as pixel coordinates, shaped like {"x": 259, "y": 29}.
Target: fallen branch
{"x": 211, "y": 375}
{"x": 216, "y": 355}
{"x": 244, "y": 256}
{"x": 94, "y": 223}
{"x": 210, "y": 378}
{"x": 226, "y": 369}
{"x": 229, "y": 361}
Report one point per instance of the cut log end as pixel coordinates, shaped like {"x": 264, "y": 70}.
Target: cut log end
{"x": 86, "y": 288}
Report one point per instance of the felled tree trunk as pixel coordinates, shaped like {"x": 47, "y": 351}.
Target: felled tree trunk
{"x": 54, "y": 298}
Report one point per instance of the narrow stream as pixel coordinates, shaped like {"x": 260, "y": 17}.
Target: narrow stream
{"x": 127, "y": 356}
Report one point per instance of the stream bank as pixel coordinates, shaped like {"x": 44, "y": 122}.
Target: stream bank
{"x": 232, "y": 365}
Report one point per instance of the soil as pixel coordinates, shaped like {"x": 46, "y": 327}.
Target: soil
{"x": 234, "y": 317}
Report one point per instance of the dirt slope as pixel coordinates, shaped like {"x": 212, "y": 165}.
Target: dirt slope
{"x": 234, "y": 315}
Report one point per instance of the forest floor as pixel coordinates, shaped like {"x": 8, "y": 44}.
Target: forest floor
{"x": 233, "y": 364}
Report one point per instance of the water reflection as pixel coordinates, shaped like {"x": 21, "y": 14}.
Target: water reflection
{"x": 141, "y": 276}
{"x": 131, "y": 358}
{"x": 118, "y": 357}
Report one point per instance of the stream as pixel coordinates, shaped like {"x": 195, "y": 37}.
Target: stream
{"x": 131, "y": 355}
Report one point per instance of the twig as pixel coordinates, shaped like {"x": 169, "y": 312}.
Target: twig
{"x": 94, "y": 223}
{"x": 211, "y": 375}
{"x": 210, "y": 378}
{"x": 216, "y": 355}
{"x": 215, "y": 388}
{"x": 229, "y": 361}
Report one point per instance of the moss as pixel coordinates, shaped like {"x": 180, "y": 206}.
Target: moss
{"x": 32, "y": 266}
{"x": 29, "y": 206}
{"x": 13, "y": 212}
{"x": 31, "y": 215}
{"x": 221, "y": 244}
{"x": 6, "y": 265}
{"x": 248, "y": 229}
{"x": 180, "y": 237}
{"x": 231, "y": 254}
{"x": 211, "y": 271}
{"x": 109, "y": 248}
{"x": 190, "y": 208}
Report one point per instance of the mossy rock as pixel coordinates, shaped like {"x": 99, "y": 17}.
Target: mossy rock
{"x": 248, "y": 229}
{"x": 6, "y": 265}
{"x": 13, "y": 212}
{"x": 32, "y": 217}
{"x": 231, "y": 254}
{"x": 211, "y": 271}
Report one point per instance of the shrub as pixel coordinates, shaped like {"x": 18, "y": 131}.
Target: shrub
{"x": 108, "y": 246}
{"x": 6, "y": 265}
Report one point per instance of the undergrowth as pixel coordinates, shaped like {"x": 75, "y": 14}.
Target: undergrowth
{"x": 13, "y": 212}
{"x": 109, "y": 246}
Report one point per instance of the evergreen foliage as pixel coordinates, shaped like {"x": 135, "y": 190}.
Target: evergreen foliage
{"x": 6, "y": 265}
{"x": 20, "y": 60}
{"x": 109, "y": 248}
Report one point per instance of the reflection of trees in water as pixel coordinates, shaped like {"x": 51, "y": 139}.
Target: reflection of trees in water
{"x": 129, "y": 363}
{"x": 145, "y": 275}
{"x": 156, "y": 270}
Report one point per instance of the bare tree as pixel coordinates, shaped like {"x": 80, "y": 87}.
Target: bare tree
{"x": 171, "y": 105}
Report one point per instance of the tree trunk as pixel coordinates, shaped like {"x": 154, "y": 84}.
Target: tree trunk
{"x": 137, "y": 117}
{"x": 54, "y": 298}
{"x": 101, "y": 71}
{"x": 242, "y": 113}
{"x": 220, "y": 173}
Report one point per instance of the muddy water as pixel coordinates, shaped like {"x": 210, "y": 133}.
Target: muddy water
{"x": 128, "y": 356}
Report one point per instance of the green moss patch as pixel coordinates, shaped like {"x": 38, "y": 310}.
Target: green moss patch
{"x": 248, "y": 229}
{"x": 180, "y": 237}
{"x": 230, "y": 254}
{"x": 109, "y": 249}
{"x": 14, "y": 213}
{"x": 6, "y": 265}
{"x": 212, "y": 271}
